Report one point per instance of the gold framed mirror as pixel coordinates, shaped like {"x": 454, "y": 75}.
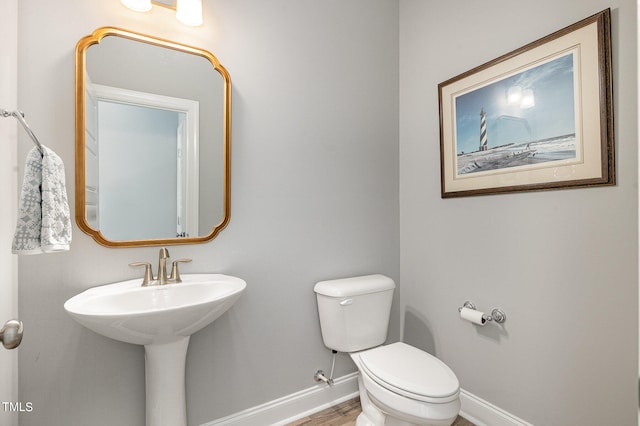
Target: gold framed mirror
{"x": 153, "y": 120}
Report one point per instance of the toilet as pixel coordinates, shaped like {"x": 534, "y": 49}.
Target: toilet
{"x": 399, "y": 384}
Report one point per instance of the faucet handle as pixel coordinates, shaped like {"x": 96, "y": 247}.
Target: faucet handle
{"x": 148, "y": 275}
{"x": 175, "y": 273}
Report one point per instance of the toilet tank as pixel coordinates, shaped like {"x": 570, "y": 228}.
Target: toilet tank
{"x": 354, "y": 312}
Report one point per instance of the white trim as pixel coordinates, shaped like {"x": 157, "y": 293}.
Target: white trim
{"x": 295, "y": 406}
{"x": 483, "y": 413}
{"x": 9, "y": 188}
{"x": 290, "y": 408}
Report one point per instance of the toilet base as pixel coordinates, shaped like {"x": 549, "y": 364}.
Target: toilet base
{"x": 363, "y": 420}
{"x": 375, "y": 413}
{"x": 391, "y": 419}
{"x": 370, "y": 415}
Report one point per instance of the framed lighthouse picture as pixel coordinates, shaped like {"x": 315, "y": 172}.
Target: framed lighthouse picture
{"x": 537, "y": 118}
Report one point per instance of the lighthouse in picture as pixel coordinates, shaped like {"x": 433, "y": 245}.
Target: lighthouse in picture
{"x": 483, "y": 130}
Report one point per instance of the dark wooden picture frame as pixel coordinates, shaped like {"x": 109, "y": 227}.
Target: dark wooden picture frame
{"x": 537, "y": 118}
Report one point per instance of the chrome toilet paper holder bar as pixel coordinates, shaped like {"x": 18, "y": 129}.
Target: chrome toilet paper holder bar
{"x": 497, "y": 314}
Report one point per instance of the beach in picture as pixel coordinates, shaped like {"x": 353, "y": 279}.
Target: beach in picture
{"x": 525, "y": 119}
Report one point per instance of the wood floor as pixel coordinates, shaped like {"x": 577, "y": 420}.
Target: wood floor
{"x": 345, "y": 415}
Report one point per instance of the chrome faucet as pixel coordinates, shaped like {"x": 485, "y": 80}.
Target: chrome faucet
{"x": 162, "y": 266}
{"x": 162, "y": 270}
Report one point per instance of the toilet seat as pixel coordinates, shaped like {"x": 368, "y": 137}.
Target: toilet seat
{"x": 410, "y": 372}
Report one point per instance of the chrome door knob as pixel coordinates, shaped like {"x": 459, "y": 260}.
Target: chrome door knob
{"x": 11, "y": 334}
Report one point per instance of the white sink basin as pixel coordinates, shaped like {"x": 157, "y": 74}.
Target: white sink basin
{"x": 162, "y": 318}
{"x": 130, "y": 313}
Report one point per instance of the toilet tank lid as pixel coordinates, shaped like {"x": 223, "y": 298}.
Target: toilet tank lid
{"x": 354, "y": 286}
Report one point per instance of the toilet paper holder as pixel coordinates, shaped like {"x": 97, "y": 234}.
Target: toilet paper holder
{"x": 497, "y": 314}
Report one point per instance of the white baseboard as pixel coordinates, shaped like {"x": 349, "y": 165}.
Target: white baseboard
{"x": 483, "y": 413}
{"x": 301, "y": 404}
{"x": 295, "y": 406}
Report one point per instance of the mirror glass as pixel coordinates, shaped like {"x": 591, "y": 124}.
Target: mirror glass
{"x": 152, "y": 140}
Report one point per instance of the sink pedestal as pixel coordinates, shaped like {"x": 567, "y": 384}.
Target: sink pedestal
{"x": 164, "y": 377}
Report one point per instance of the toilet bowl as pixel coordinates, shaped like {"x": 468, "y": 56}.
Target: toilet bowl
{"x": 399, "y": 385}
{"x": 402, "y": 385}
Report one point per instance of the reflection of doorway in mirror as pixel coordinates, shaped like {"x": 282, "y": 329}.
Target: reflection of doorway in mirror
{"x": 91, "y": 158}
{"x": 152, "y": 191}
{"x": 187, "y": 183}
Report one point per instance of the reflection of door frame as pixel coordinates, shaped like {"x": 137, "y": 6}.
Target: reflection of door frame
{"x": 92, "y": 184}
{"x": 188, "y": 209}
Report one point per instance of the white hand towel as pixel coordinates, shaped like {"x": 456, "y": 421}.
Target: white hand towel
{"x": 44, "y": 220}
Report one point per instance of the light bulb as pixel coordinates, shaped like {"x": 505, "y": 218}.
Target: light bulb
{"x": 137, "y": 5}
{"x": 189, "y": 12}
{"x": 528, "y": 101}
{"x": 514, "y": 95}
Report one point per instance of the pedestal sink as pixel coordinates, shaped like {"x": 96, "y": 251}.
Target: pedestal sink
{"x": 162, "y": 318}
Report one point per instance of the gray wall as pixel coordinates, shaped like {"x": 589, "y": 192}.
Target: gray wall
{"x": 314, "y": 196}
{"x": 562, "y": 264}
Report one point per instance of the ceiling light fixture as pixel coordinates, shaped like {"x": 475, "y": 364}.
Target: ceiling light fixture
{"x": 137, "y": 5}
{"x": 189, "y": 12}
